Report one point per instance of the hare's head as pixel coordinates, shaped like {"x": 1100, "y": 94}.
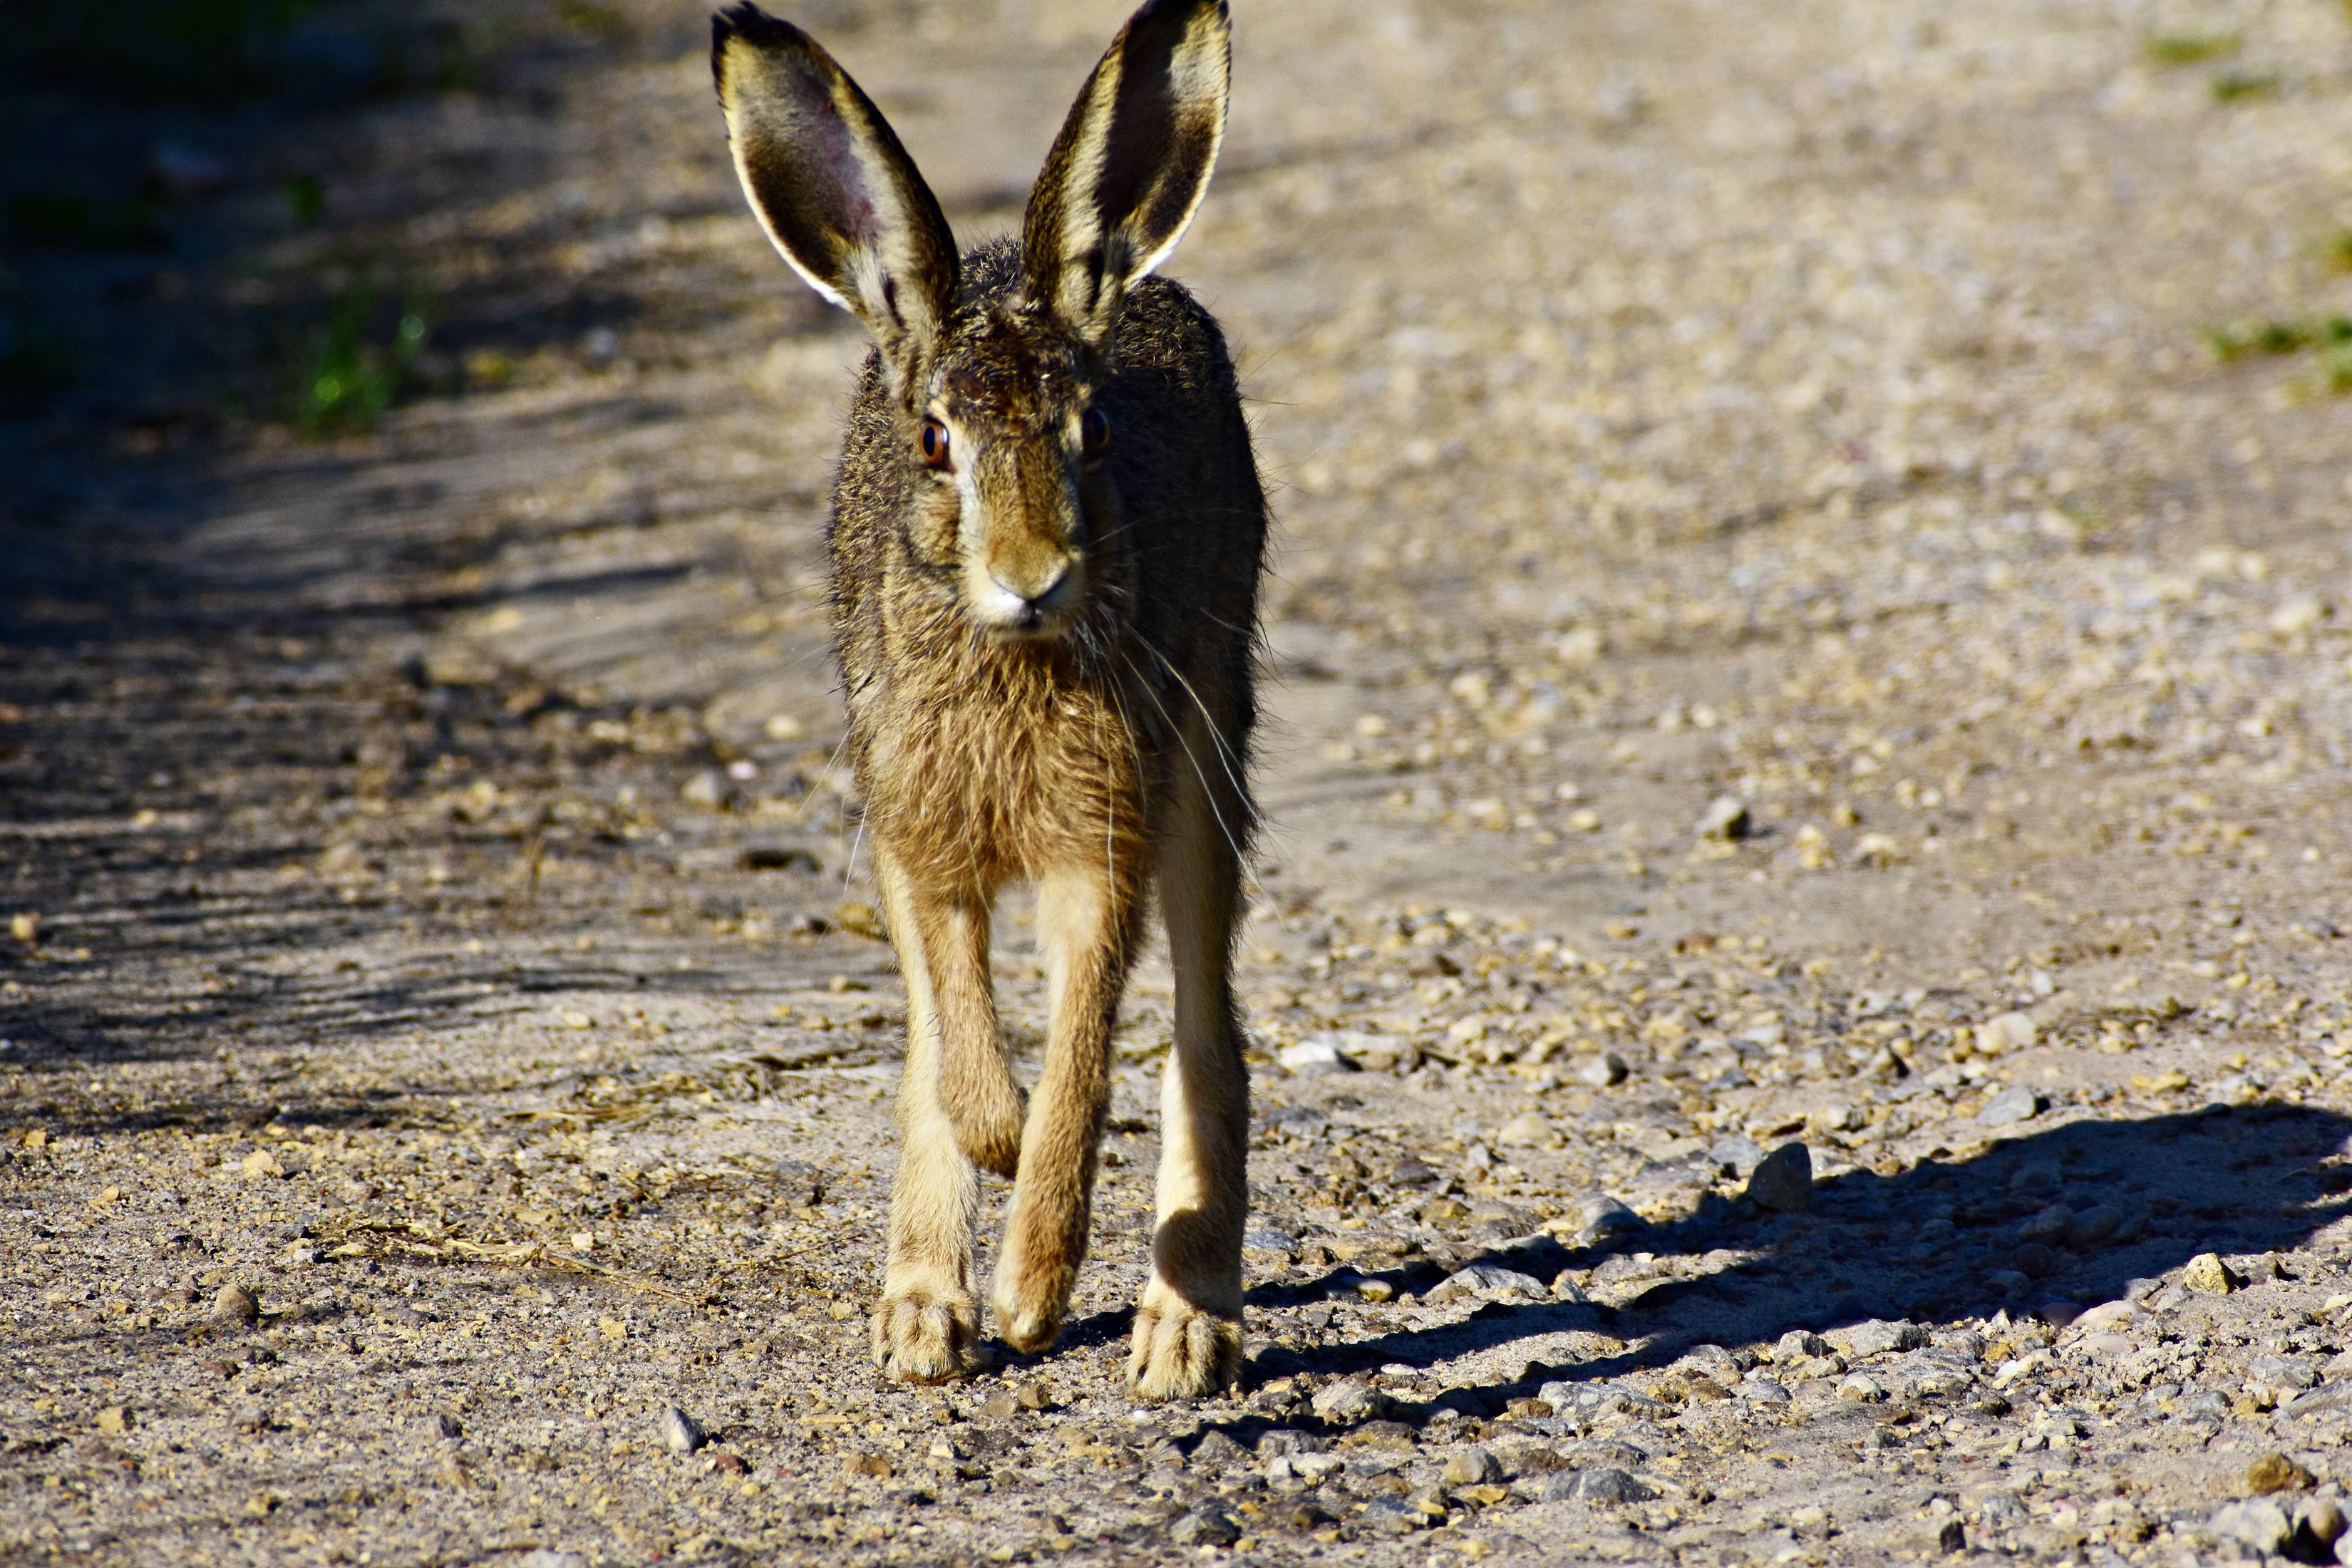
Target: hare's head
{"x": 992, "y": 388}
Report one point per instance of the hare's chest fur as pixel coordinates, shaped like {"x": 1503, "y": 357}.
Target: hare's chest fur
{"x": 1000, "y": 768}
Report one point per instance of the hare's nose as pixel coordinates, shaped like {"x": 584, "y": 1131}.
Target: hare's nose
{"x": 1038, "y": 596}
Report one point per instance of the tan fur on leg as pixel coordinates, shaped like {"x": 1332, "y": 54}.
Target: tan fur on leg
{"x": 928, "y": 1322}
{"x": 1086, "y": 917}
{"x": 976, "y": 1086}
{"x": 1188, "y": 1324}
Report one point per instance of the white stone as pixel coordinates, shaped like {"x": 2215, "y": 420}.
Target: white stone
{"x": 1485, "y": 1282}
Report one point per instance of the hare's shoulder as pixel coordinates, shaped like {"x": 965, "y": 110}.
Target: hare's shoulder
{"x": 1164, "y": 331}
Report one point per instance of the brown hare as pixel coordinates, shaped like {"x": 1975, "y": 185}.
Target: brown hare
{"x": 1046, "y": 533}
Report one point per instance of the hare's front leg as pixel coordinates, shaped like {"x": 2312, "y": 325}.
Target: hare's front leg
{"x": 928, "y": 1322}
{"x": 1188, "y": 1326}
{"x": 1088, "y": 919}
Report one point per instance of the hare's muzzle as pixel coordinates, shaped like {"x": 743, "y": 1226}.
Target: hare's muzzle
{"x": 1023, "y": 573}
{"x": 1026, "y": 603}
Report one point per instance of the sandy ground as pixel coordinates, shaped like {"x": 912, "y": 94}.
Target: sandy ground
{"x": 443, "y": 1026}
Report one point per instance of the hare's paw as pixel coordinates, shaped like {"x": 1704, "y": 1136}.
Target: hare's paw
{"x": 925, "y": 1335}
{"x": 987, "y": 1119}
{"x": 1029, "y": 1305}
{"x": 1181, "y": 1351}
{"x": 1037, "y": 1266}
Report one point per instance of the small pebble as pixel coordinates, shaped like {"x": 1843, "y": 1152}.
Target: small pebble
{"x": 235, "y": 1304}
{"x": 2208, "y": 1275}
{"x": 1599, "y": 1215}
{"x": 1528, "y": 1132}
{"x": 1215, "y": 1448}
{"x": 2276, "y": 1472}
{"x": 2008, "y": 1032}
{"x": 1473, "y": 1468}
{"x": 1725, "y": 818}
{"x": 2258, "y": 1524}
{"x": 442, "y": 1426}
{"x": 2322, "y": 1519}
{"x": 1879, "y": 1336}
{"x": 869, "y": 1464}
{"x": 1205, "y": 1526}
{"x": 710, "y": 789}
{"x": 1385, "y": 1515}
{"x": 2013, "y": 1105}
{"x": 1485, "y": 1282}
{"x": 1737, "y": 1153}
{"x": 679, "y": 1433}
{"x": 1313, "y": 1056}
{"x": 1783, "y": 1180}
{"x": 1602, "y": 1071}
{"x": 1610, "y": 1484}
{"x": 1350, "y": 1399}
{"x": 114, "y": 1418}
{"x": 1267, "y": 1242}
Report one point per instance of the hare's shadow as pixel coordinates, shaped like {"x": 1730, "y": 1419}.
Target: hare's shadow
{"x": 2255, "y": 1179}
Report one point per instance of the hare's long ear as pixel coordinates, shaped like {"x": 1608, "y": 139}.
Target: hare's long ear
{"x": 832, "y": 187}
{"x": 1128, "y": 169}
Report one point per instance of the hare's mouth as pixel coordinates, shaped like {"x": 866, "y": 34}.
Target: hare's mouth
{"x": 1028, "y": 611}
{"x": 1030, "y": 625}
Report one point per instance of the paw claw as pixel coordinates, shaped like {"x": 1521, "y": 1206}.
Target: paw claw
{"x": 1181, "y": 1352}
{"x": 925, "y": 1337}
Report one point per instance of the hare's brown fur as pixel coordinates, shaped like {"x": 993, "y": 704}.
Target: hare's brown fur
{"x": 1096, "y": 741}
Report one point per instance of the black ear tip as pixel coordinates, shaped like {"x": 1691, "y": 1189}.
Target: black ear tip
{"x": 727, "y": 23}
{"x": 740, "y": 17}
{"x": 1174, "y": 19}
{"x": 746, "y": 21}
{"x": 1179, "y": 11}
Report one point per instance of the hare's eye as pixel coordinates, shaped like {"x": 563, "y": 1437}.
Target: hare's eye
{"x": 935, "y": 443}
{"x": 1094, "y": 431}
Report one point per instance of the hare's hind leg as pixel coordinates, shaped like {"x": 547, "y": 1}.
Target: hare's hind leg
{"x": 1188, "y": 1326}
{"x": 928, "y": 1324}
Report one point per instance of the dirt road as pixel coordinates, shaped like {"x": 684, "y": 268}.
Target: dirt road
{"x": 1786, "y": 632}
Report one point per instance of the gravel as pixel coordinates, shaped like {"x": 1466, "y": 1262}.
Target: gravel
{"x": 446, "y": 918}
